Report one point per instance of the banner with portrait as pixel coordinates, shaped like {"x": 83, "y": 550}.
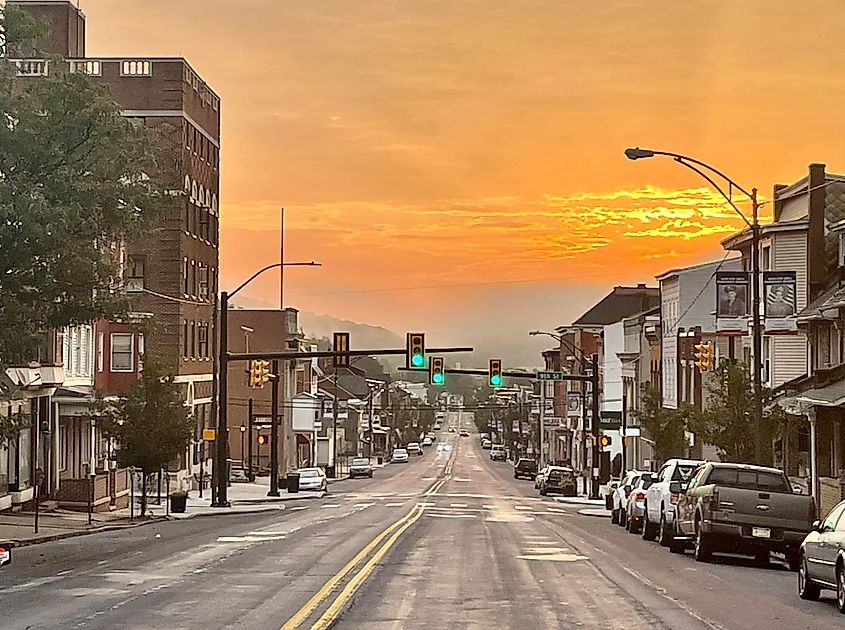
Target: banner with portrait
{"x": 573, "y": 404}
{"x": 781, "y": 304}
{"x": 732, "y": 302}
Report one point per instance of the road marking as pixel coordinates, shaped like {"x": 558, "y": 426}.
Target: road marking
{"x": 266, "y": 533}
{"x": 487, "y": 506}
{"x": 363, "y": 505}
{"x": 396, "y": 528}
{"x": 249, "y": 538}
{"x": 394, "y": 504}
{"x": 435, "y": 515}
{"x": 458, "y": 505}
{"x": 463, "y": 479}
{"x": 555, "y": 511}
{"x": 299, "y": 507}
{"x": 523, "y": 507}
{"x": 555, "y": 557}
{"x": 330, "y": 505}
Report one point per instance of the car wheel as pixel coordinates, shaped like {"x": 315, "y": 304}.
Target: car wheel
{"x": 840, "y": 588}
{"x": 676, "y": 544}
{"x": 649, "y": 531}
{"x": 630, "y": 523}
{"x": 543, "y": 492}
{"x": 806, "y": 588}
{"x": 702, "y": 545}
{"x": 663, "y": 531}
{"x": 623, "y": 518}
{"x": 614, "y": 517}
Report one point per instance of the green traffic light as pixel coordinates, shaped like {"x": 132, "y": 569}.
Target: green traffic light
{"x": 417, "y": 360}
{"x": 496, "y": 380}
{"x": 437, "y": 378}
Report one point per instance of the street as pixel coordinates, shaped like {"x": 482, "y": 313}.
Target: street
{"x": 448, "y": 540}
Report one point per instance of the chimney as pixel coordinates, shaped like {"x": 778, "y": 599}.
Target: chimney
{"x": 816, "y": 260}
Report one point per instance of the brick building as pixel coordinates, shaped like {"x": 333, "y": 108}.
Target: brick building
{"x": 173, "y": 271}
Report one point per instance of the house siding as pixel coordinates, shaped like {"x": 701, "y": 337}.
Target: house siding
{"x": 789, "y": 354}
{"x": 795, "y": 208}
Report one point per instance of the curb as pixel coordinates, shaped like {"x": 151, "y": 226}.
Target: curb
{"x": 226, "y": 511}
{"x": 14, "y": 544}
{"x": 598, "y": 513}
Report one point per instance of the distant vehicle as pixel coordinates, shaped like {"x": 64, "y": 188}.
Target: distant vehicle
{"x": 485, "y": 436}
{"x": 559, "y": 479}
{"x": 486, "y": 443}
{"x": 437, "y": 426}
{"x": 525, "y": 467}
{"x": 452, "y": 429}
{"x": 619, "y": 497}
{"x": 413, "y": 448}
{"x": 400, "y": 456}
{"x": 820, "y": 561}
{"x": 238, "y": 475}
{"x": 361, "y": 467}
{"x": 427, "y": 441}
{"x": 443, "y": 447}
{"x": 740, "y": 508}
{"x": 464, "y": 433}
{"x": 313, "y": 479}
{"x": 635, "y": 508}
{"x": 540, "y": 475}
{"x": 497, "y": 453}
{"x": 660, "y": 500}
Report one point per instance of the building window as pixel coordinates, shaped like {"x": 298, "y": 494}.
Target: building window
{"x": 193, "y": 277}
{"x": 185, "y": 276}
{"x": 141, "y": 350}
{"x": 90, "y": 66}
{"x": 121, "y": 352}
{"x": 193, "y": 340}
{"x": 202, "y": 281}
{"x": 185, "y": 338}
{"x": 100, "y": 344}
{"x": 136, "y": 68}
{"x": 202, "y": 340}
{"x": 135, "y": 272}
{"x": 213, "y": 280}
{"x": 765, "y": 258}
{"x": 204, "y": 220}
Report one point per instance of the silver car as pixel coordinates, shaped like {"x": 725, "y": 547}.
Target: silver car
{"x": 635, "y": 508}
{"x": 400, "y": 456}
{"x": 313, "y": 479}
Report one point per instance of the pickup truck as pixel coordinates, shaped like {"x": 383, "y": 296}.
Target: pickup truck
{"x": 739, "y": 508}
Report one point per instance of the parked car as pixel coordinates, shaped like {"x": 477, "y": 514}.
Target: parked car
{"x": 452, "y": 429}
{"x": 237, "y": 475}
{"x": 361, "y": 467}
{"x": 821, "y": 558}
{"x": 559, "y": 479}
{"x": 660, "y": 499}
{"x": 525, "y": 467}
{"x": 497, "y": 453}
{"x": 313, "y": 479}
{"x": 464, "y": 433}
{"x": 486, "y": 444}
{"x": 427, "y": 441}
{"x": 740, "y": 508}
{"x": 635, "y": 508}
{"x": 414, "y": 448}
{"x": 399, "y": 456}
{"x": 619, "y": 497}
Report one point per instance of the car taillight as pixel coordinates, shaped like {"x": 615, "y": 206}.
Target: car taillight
{"x": 627, "y": 492}
{"x": 640, "y": 496}
{"x": 673, "y": 499}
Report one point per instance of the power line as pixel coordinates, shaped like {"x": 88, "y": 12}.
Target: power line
{"x": 701, "y": 292}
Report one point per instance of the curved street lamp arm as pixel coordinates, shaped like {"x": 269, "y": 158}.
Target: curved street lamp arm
{"x": 679, "y": 157}
{"x": 273, "y": 266}
{"x": 715, "y": 185}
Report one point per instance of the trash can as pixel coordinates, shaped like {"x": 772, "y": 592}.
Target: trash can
{"x": 178, "y": 503}
{"x": 608, "y": 500}
{"x": 293, "y": 482}
{"x": 330, "y": 471}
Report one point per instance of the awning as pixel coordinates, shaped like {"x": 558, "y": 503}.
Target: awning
{"x": 832, "y": 395}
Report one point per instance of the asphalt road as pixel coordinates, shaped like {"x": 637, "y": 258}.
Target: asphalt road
{"x": 448, "y": 540}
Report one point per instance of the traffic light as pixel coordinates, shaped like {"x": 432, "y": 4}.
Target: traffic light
{"x": 494, "y": 373}
{"x": 436, "y": 371}
{"x": 259, "y": 372}
{"x": 605, "y": 440}
{"x": 340, "y": 343}
{"x": 262, "y": 440}
{"x": 704, "y": 356}
{"x": 415, "y": 350}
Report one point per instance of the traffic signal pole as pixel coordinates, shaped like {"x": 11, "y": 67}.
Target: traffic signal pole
{"x": 251, "y": 421}
{"x": 595, "y": 426}
{"x": 274, "y": 432}
{"x": 222, "y": 439}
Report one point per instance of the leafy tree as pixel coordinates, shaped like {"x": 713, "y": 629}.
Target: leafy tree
{"x": 727, "y": 419}
{"x": 151, "y": 425}
{"x": 664, "y": 426}
{"x": 75, "y": 178}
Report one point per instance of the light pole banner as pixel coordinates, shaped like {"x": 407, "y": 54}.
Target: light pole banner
{"x": 779, "y": 290}
{"x": 573, "y": 405}
{"x": 732, "y": 302}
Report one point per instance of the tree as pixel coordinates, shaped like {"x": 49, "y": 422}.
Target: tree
{"x": 151, "y": 426}
{"x": 727, "y": 419}
{"x": 664, "y": 426}
{"x": 76, "y": 178}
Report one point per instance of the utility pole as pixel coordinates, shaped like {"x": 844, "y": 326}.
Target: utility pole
{"x": 541, "y": 437}
{"x": 595, "y": 426}
{"x": 624, "y": 433}
{"x": 251, "y": 422}
{"x": 370, "y": 427}
{"x": 274, "y": 431}
{"x": 334, "y": 427}
{"x": 220, "y": 498}
{"x": 215, "y": 365}
{"x": 758, "y": 329}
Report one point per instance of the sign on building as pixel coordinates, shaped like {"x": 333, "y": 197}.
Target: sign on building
{"x": 732, "y": 302}
{"x": 779, "y": 292}
{"x": 573, "y": 404}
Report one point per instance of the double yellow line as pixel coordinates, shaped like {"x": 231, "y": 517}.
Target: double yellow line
{"x": 388, "y": 537}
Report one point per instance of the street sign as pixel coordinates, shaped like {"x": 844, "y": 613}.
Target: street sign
{"x": 208, "y": 435}
{"x": 610, "y": 420}
{"x": 551, "y": 376}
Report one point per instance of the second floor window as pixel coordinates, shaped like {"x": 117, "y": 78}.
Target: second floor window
{"x": 202, "y": 334}
{"x": 121, "y": 352}
{"x": 135, "y": 271}
{"x": 202, "y": 281}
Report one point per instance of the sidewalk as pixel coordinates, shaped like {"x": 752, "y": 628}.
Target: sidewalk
{"x": 18, "y": 529}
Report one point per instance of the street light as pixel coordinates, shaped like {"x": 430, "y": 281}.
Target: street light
{"x": 578, "y": 353}
{"x": 220, "y": 497}
{"x": 711, "y": 174}
{"x": 243, "y": 435}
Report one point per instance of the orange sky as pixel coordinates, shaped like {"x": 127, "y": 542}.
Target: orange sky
{"x": 477, "y": 144}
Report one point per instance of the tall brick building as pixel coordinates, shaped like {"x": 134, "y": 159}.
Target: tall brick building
{"x": 173, "y": 271}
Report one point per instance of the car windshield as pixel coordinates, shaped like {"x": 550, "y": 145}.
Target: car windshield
{"x": 360, "y": 462}
{"x": 683, "y": 472}
{"x": 400, "y": 451}
{"x": 309, "y": 472}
